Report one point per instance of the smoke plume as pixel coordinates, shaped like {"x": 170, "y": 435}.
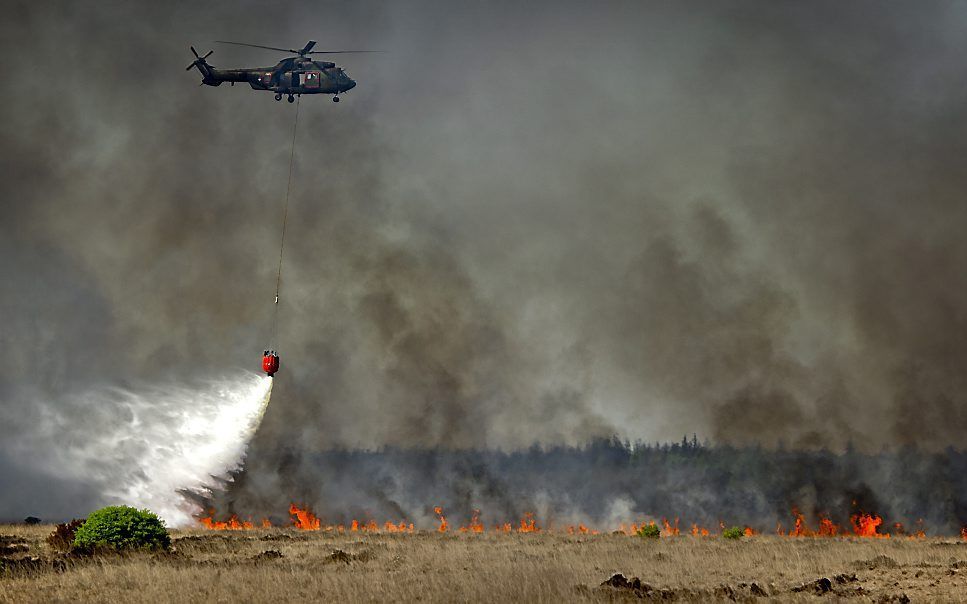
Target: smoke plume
{"x": 549, "y": 222}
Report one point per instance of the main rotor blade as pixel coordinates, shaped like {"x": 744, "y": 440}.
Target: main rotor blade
{"x": 307, "y": 47}
{"x": 339, "y": 52}
{"x": 193, "y": 51}
{"x": 257, "y": 46}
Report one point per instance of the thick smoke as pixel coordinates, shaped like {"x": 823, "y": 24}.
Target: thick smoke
{"x": 606, "y": 483}
{"x": 550, "y": 222}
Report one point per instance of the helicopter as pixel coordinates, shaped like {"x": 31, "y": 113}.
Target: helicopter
{"x": 291, "y": 76}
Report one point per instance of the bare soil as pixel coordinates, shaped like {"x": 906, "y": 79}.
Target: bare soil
{"x": 273, "y": 565}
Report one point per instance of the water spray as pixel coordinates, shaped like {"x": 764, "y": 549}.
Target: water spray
{"x": 142, "y": 448}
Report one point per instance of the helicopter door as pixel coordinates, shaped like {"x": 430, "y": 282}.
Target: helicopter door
{"x": 310, "y": 79}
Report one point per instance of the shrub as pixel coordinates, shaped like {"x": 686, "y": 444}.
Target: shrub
{"x": 122, "y": 527}
{"x": 649, "y": 531}
{"x": 733, "y": 532}
{"x": 63, "y": 536}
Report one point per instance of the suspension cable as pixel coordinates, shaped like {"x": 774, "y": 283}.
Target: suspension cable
{"x": 285, "y": 215}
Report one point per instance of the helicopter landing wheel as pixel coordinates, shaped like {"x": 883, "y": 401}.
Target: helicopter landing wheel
{"x": 278, "y": 97}
{"x": 335, "y": 99}
{"x": 291, "y": 99}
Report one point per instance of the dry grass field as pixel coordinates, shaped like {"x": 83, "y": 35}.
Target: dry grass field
{"x": 273, "y": 565}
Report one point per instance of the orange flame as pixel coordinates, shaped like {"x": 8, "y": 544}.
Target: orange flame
{"x": 668, "y": 530}
{"x": 699, "y": 531}
{"x": 583, "y": 530}
{"x": 800, "y": 529}
{"x": 827, "y": 528}
{"x": 402, "y": 527}
{"x": 304, "y": 519}
{"x": 475, "y": 525}
{"x": 443, "y": 521}
{"x": 232, "y": 524}
{"x": 528, "y": 524}
{"x": 865, "y": 525}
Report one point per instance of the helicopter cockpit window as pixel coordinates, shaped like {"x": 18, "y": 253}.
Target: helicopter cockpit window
{"x": 310, "y": 79}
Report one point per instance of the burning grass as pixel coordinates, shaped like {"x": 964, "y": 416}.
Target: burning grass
{"x": 862, "y": 525}
{"x": 289, "y": 564}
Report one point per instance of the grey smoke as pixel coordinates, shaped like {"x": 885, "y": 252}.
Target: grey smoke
{"x": 543, "y": 222}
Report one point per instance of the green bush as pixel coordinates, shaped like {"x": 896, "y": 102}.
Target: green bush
{"x": 649, "y": 531}
{"x": 122, "y": 527}
{"x": 733, "y": 532}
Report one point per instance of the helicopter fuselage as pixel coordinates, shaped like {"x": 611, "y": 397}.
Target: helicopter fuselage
{"x": 289, "y": 77}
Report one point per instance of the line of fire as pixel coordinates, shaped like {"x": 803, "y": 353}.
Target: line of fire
{"x": 862, "y": 525}
{"x": 612, "y": 486}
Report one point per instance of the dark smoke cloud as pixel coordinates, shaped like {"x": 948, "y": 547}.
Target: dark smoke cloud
{"x": 542, "y": 222}
{"x": 606, "y": 483}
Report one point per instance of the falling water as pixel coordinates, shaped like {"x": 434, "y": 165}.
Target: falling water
{"x": 142, "y": 447}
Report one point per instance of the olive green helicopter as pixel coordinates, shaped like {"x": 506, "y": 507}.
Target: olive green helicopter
{"x": 291, "y": 76}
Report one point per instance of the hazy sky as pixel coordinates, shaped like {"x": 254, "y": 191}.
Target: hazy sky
{"x": 529, "y": 221}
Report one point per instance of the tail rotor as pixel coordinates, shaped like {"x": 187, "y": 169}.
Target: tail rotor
{"x": 199, "y": 61}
